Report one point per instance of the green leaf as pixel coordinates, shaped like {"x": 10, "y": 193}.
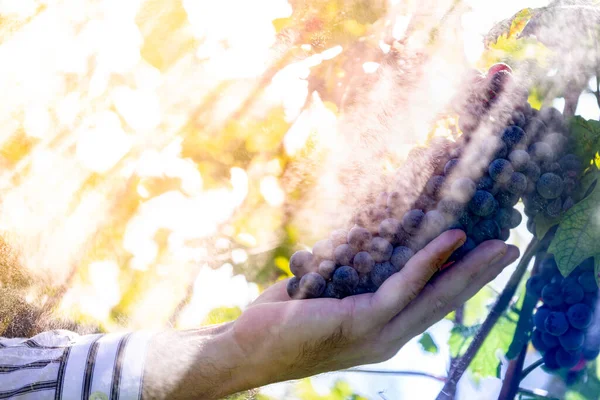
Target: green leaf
{"x": 586, "y": 182}
{"x": 543, "y": 224}
{"x": 460, "y": 337}
{"x": 486, "y": 361}
{"x": 477, "y": 307}
{"x": 428, "y": 344}
{"x": 578, "y": 235}
{"x": 586, "y": 138}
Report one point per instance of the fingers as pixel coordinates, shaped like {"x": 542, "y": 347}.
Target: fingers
{"x": 402, "y": 287}
{"x": 451, "y": 288}
{"x": 276, "y": 292}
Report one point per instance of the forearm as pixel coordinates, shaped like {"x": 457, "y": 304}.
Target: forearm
{"x": 195, "y": 364}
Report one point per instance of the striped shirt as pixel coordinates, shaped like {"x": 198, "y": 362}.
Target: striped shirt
{"x": 60, "y": 364}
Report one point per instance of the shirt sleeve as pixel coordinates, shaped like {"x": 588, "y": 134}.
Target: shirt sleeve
{"x": 60, "y": 364}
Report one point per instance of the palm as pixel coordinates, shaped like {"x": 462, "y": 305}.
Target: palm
{"x": 305, "y": 337}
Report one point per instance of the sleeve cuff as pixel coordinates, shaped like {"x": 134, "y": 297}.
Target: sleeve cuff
{"x": 107, "y": 366}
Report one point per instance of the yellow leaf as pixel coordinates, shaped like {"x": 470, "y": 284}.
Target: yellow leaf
{"x": 353, "y": 27}
{"x": 519, "y": 21}
{"x": 283, "y": 264}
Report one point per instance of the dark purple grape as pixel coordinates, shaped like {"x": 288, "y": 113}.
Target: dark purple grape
{"x": 482, "y": 204}
{"x": 434, "y": 185}
{"x": 433, "y": 224}
{"x": 572, "y": 292}
{"x": 381, "y": 249}
{"x": 326, "y": 268}
{"x": 507, "y": 199}
{"x": 463, "y": 250}
{"x": 389, "y": 229}
{"x": 293, "y": 286}
{"x": 450, "y": 165}
{"x": 519, "y": 159}
{"x": 411, "y": 221}
{"x": 400, "y": 257}
{"x": 487, "y": 229}
{"x": 517, "y": 184}
{"x": 363, "y": 262}
{"x": 550, "y": 362}
{"x": 450, "y": 208}
{"x": 463, "y": 189}
{"x": 513, "y": 135}
{"x": 301, "y": 263}
{"x": 537, "y": 342}
{"x": 552, "y": 295}
{"x": 381, "y": 272}
{"x": 535, "y": 284}
{"x": 532, "y": 171}
{"x": 549, "y": 186}
{"x": 541, "y": 152}
{"x": 504, "y": 234}
{"x": 323, "y": 249}
{"x": 572, "y": 339}
{"x": 580, "y": 316}
{"x": 500, "y": 170}
{"x": 567, "y": 359}
{"x": 550, "y": 340}
{"x": 485, "y": 183}
{"x": 346, "y": 278}
{"x": 571, "y": 162}
{"x": 539, "y": 318}
{"x": 312, "y": 285}
{"x": 334, "y": 291}
{"x": 556, "y": 323}
{"x": 344, "y": 254}
{"x": 339, "y": 236}
{"x": 359, "y": 239}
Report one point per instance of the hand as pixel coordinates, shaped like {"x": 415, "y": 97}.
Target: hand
{"x": 288, "y": 339}
{"x": 277, "y": 339}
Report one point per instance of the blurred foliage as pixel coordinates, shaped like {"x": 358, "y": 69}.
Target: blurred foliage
{"x": 165, "y": 146}
{"x": 428, "y": 344}
{"x": 340, "y": 391}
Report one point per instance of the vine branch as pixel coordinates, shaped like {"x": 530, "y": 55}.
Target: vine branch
{"x": 396, "y": 372}
{"x": 499, "y": 307}
{"x": 510, "y": 384}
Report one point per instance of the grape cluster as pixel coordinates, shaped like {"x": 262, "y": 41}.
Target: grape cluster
{"x": 519, "y": 158}
{"x": 565, "y": 331}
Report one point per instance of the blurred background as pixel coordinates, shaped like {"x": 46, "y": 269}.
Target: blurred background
{"x": 160, "y": 160}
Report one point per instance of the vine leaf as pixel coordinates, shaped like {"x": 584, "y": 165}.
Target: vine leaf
{"x": 586, "y": 138}
{"x": 578, "y": 234}
{"x": 486, "y": 363}
{"x": 509, "y": 27}
{"x": 543, "y": 224}
{"x": 428, "y": 344}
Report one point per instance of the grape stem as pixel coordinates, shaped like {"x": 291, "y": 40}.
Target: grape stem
{"x": 396, "y": 372}
{"x": 459, "y": 368}
{"x": 531, "y": 367}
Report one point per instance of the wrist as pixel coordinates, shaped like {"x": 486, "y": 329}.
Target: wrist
{"x": 193, "y": 364}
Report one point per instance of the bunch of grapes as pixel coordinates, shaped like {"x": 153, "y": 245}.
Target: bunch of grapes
{"x": 507, "y": 151}
{"x": 566, "y": 332}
